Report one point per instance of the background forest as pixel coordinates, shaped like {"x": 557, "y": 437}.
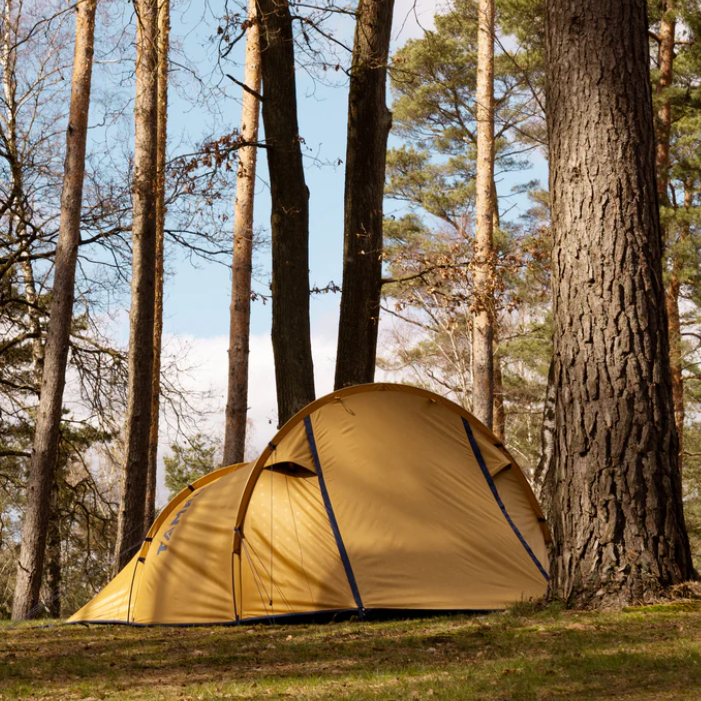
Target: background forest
{"x": 430, "y": 274}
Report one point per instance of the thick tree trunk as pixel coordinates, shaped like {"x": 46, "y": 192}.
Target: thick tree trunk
{"x": 242, "y": 261}
{"x": 161, "y": 144}
{"x": 369, "y": 122}
{"x": 291, "y": 333}
{"x": 45, "y": 448}
{"x": 617, "y": 519}
{"x": 483, "y": 266}
{"x": 130, "y": 528}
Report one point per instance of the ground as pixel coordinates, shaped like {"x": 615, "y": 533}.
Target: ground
{"x": 523, "y": 654}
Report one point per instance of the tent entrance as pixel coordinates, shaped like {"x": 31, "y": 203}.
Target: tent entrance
{"x": 288, "y": 561}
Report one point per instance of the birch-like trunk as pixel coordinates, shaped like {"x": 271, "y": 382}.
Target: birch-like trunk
{"x": 161, "y": 145}
{"x": 130, "y": 527}
{"x": 46, "y": 436}
{"x": 241, "y": 266}
{"x": 483, "y": 266}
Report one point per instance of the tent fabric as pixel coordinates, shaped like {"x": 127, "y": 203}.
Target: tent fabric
{"x": 375, "y": 497}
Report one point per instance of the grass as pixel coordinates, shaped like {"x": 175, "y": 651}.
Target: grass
{"x": 521, "y": 655}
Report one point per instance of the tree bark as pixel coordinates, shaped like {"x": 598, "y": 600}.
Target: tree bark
{"x": 369, "y": 122}
{"x": 291, "y": 333}
{"x": 483, "y": 266}
{"x": 543, "y": 476}
{"x": 664, "y": 114}
{"x": 46, "y": 435}
{"x": 675, "y": 327}
{"x": 241, "y": 266}
{"x": 499, "y": 413}
{"x": 130, "y": 528}
{"x": 53, "y": 549}
{"x": 161, "y": 146}
{"x": 617, "y": 518}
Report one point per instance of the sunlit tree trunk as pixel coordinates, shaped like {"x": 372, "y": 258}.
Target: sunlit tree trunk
{"x": 664, "y": 130}
{"x": 483, "y": 266}
{"x": 616, "y": 514}
{"x": 130, "y": 528}
{"x": 291, "y": 332}
{"x": 161, "y": 146}
{"x": 369, "y": 122}
{"x": 46, "y": 436}
{"x": 242, "y": 262}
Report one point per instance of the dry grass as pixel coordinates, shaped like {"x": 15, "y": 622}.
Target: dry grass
{"x": 524, "y": 654}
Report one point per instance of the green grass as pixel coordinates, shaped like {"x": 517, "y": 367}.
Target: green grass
{"x": 521, "y": 655}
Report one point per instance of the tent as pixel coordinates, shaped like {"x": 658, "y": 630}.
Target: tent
{"x": 377, "y": 496}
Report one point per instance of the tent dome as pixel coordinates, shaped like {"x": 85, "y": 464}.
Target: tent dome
{"x": 377, "y": 496}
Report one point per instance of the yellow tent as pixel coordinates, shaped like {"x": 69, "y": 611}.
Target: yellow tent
{"x": 378, "y": 496}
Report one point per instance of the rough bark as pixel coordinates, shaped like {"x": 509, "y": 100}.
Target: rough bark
{"x": 241, "y": 266}
{"x": 161, "y": 144}
{"x": 53, "y": 551}
{"x": 616, "y": 516}
{"x": 46, "y": 435}
{"x": 291, "y": 333}
{"x": 483, "y": 265}
{"x": 369, "y": 122}
{"x": 130, "y": 526}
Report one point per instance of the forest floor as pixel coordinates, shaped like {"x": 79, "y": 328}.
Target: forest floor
{"x": 520, "y": 655}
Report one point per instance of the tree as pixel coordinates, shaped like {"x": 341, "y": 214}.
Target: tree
{"x": 369, "y": 122}
{"x": 161, "y": 146}
{"x": 242, "y": 263}
{"x": 55, "y": 356}
{"x": 289, "y": 223}
{"x": 616, "y": 516}
{"x": 188, "y": 463}
{"x": 485, "y": 204}
{"x": 130, "y": 527}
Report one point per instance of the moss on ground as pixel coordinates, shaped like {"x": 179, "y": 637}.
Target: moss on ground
{"x": 521, "y": 655}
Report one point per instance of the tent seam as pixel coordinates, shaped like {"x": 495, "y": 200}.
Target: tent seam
{"x": 483, "y": 467}
{"x": 332, "y": 519}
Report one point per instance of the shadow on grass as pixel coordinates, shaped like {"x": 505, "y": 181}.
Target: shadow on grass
{"x": 546, "y": 655}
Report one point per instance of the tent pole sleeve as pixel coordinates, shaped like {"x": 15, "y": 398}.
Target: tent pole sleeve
{"x": 332, "y": 519}
{"x": 483, "y": 466}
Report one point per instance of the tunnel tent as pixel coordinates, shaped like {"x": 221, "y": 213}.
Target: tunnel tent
{"x": 377, "y": 496}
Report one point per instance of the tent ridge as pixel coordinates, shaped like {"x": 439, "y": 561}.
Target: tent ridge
{"x": 490, "y": 481}
{"x": 332, "y": 518}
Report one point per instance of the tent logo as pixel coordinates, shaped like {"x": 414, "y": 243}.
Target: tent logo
{"x": 162, "y": 547}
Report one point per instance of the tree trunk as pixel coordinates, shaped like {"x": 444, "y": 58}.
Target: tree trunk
{"x": 45, "y": 447}
{"x": 543, "y": 485}
{"x": 664, "y": 115}
{"x": 130, "y": 528}
{"x": 664, "y": 130}
{"x": 291, "y": 333}
{"x": 617, "y": 519}
{"x": 241, "y": 267}
{"x": 483, "y": 320}
{"x": 369, "y": 122}
{"x": 161, "y": 144}
{"x": 499, "y": 413}
{"x": 53, "y": 549}
{"x": 675, "y": 327}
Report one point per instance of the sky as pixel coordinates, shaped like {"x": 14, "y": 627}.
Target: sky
{"x": 196, "y": 306}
